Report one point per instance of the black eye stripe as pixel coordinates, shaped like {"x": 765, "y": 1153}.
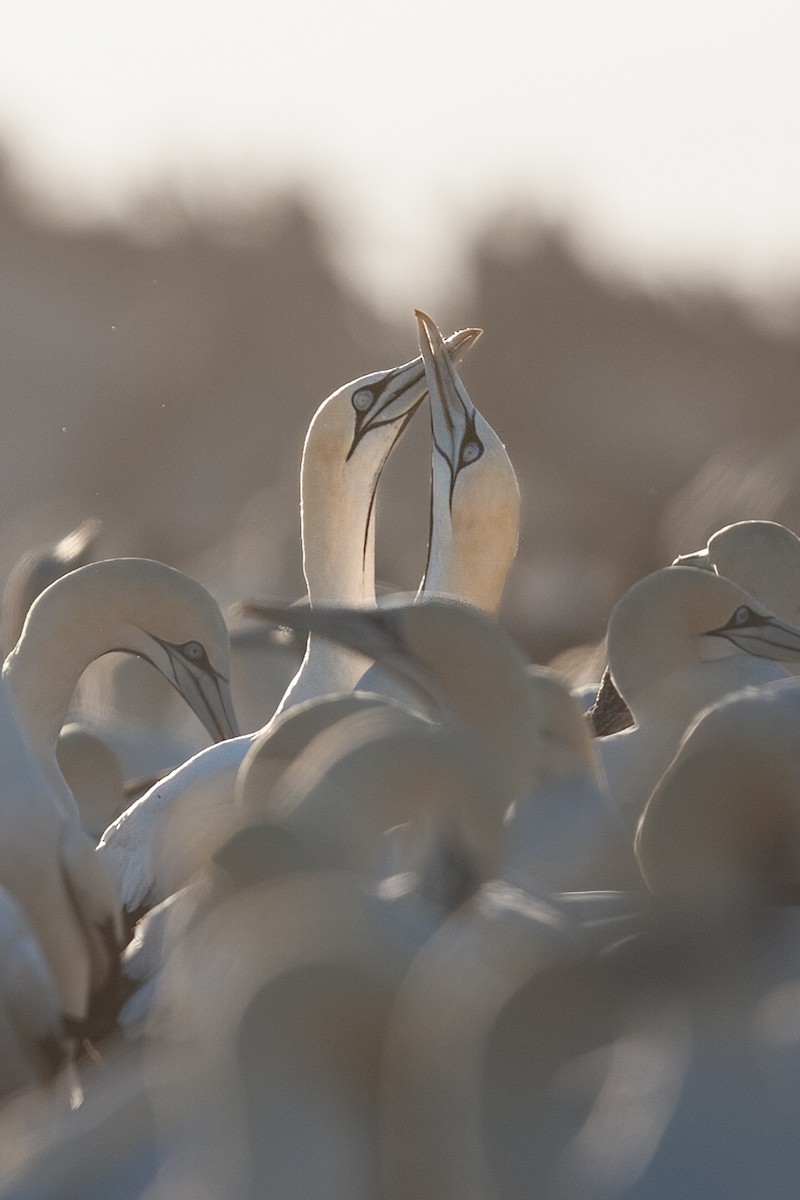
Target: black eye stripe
{"x": 377, "y": 390}
{"x": 384, "y": 396}
{"x": 742, "y": 619}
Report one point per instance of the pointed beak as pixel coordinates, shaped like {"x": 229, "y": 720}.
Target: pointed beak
{"x": 700, "y": 558}
{"x": 208, "y": 695}
{"x": 764, "y": 637}
{"x": 450, "y": 402}
{"x": 452, "y": 411}
{"x": 369, "y": 631}
{"x": 404, "y": 388}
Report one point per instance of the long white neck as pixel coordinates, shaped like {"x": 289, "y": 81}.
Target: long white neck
{"x": 43, "y": 670}
{"x": 338, "y": 533}
{"x": 473, "y": 531}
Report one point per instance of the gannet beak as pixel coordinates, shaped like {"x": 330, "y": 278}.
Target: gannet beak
{"x": 452, "y": 412}
{"x": 700, "y": 558}
{"x": 207, "y": 693}
{"x": 761, "y": 634}
{"x": 396, "y": 394}
{"x": 372, "y": 632}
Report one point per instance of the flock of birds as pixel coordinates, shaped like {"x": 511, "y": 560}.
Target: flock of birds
{"x": 438, "y": 928}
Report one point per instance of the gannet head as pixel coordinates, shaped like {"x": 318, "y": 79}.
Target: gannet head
{"x": 146, "y": 608}
{"x": 680, "y": 618}
{"x": 763, "y": 557}
{"x": 474, "y": 493}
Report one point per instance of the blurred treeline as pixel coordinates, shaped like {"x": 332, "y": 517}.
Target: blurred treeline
{"x": 162, "y": 376}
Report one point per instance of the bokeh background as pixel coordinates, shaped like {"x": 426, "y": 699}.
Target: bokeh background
{"x": 212, "y": 216}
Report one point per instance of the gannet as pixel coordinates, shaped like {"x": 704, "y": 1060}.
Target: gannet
{"x": 678, "y": 641}
{"x": 763, "y": 557}
{"x": 499, "y": 996}
{"x": 130, "y": 604}
{"x": 474, "y": 505}
{"x": 347, "y": 444}
{"x": 47, "y": 862}
{"x": 474, "y": 491}
{"x": 463, "y": 668}
{"x": 202, "y": 818}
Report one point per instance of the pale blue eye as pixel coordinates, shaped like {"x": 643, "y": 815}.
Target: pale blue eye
{"x": 470, "y": 452}
{"x": 362, "y": 400}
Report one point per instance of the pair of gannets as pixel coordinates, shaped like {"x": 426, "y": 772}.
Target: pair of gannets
{"x": 47, "y": 862}
{"x": 762, "y": 557}
{"x": 678, "y": 641}
{"x": 475, "y": 515}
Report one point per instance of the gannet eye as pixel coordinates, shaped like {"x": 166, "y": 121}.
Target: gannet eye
{"x": 470, "y": 452}
{"x": 742, "y": 615}
{"x": 362, "y": 399}
{"x": 194, "y": 651}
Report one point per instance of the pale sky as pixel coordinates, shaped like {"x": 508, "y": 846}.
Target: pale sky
{"x": 668, "y": 132}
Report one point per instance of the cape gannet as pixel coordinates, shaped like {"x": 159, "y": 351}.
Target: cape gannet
{"x": 463, "y": 668}
{"x": 475, "y": 502}
{"x": 187, "y": 839}
{"x": 763, "y": 557}
{"x": 46, "y": 861}
{"x": 474, "y": 491}
{"x": 133, "y": 605}
{"x": 678, "y": 641}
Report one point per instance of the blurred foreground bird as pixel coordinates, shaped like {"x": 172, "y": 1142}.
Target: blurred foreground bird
{"x": 465, "y": 671}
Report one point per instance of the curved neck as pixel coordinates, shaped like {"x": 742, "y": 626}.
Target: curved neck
{"x": 680, "y": 694}
{"x": 337, "y": 518}
{"x": 54, "y": 649}
{"x": 453, "y": 570}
